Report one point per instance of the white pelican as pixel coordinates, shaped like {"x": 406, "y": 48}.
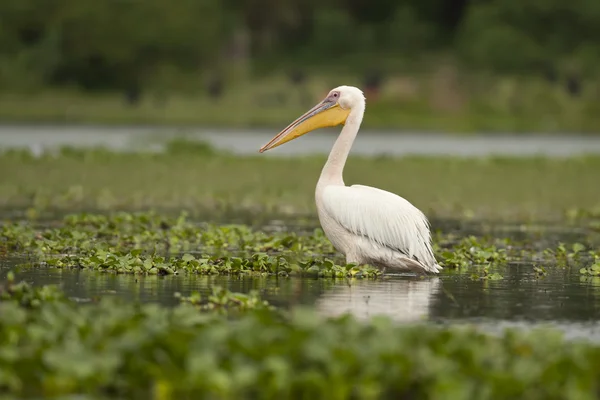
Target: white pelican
{"x": 366, "y": 224}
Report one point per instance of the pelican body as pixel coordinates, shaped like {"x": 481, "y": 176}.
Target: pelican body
{"x": 366, "y": 224}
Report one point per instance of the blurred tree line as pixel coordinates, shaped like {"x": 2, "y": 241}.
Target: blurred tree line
{"x": 110, "y": 44}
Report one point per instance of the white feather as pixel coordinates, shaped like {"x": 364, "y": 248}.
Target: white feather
{"x": 384, "y": 219}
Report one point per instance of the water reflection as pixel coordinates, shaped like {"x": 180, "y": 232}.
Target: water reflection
{"x": 401, "y": 299}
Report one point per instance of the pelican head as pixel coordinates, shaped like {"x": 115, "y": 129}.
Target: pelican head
{"x": 332, "y": 111}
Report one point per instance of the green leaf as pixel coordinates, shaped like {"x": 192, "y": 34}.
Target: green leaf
{"x": 188, "y": 257}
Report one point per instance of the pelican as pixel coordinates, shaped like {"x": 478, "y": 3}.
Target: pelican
{"x": 366, "y": 224}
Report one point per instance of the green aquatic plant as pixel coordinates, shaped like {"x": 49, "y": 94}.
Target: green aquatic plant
{"x": 27, "y": 295}
{"x": 540, "y": 271}
{"x": 566, "y": 255}
{"x": 162, "y": 243}
{"x": 480, "y": 256}
{"x": 137, "y": 262}
{"x": 223, "y": 300}
{"x": 594, "y": 268}
{"x": 473, "y": 251}
{"x": 485, "y": 273}
{"x": 152, "y": 243}
{"x": 150, "y": 231}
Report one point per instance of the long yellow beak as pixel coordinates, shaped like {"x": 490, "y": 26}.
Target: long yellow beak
{"x": 327, "y": 113}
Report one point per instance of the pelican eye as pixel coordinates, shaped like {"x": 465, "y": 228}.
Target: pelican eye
{"x": 333, "y": 96}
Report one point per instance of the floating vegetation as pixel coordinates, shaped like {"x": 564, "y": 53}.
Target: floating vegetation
{"x": 134, "y": 262}
{"x": 152, "y": 232}
{"x": 594, "y": 269}
{"x": 155, "y": 244}
{"x": 223, "y": 300}
{"x": 27, "y": 295}
{"x": 567, "y": 255}
{"x": 471, "y": 251}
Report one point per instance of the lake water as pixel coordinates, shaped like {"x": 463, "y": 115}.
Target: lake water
{"x": 43, "y": 137}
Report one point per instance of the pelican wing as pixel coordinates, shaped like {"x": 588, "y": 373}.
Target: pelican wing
{"x": 383, "y": 217}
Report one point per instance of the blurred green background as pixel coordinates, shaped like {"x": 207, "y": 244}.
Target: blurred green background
{"x": 445, "y": 65}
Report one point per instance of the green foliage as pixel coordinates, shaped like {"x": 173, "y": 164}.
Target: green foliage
{"x": 137, "y": 244}
{"x": 594, "y": 268}
{"x": 259, "y": 264}
{"x": 223, "y": 301}
{"x": 153, "y": 232}
{"x": 108, "y": 44}
{"x": 471, "y": 251}
{"x": 132, "y": 44}
{"x": 336, "y": 33}
{"x": 26, "y": 295}
{"x": 565, "y": 255}
{"x": 512, "y": 36}
{"x": 116, "y": 348}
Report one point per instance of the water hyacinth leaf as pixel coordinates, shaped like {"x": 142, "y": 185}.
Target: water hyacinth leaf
{"x": 188, "y": 257}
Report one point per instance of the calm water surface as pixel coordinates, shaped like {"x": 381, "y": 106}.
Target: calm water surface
{"x": 44, "y": 137}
